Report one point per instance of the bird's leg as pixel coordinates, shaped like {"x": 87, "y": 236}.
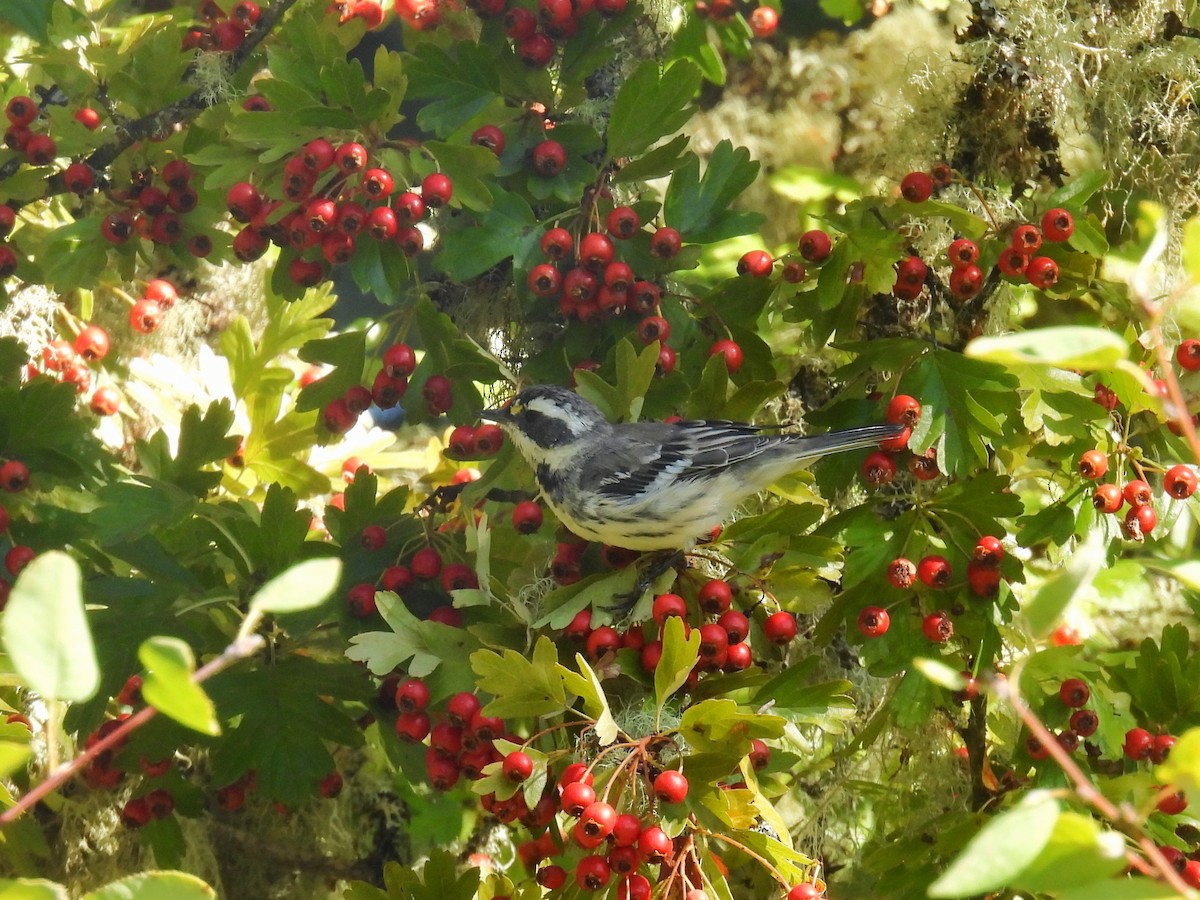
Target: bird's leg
{"x": 625, "y": 602}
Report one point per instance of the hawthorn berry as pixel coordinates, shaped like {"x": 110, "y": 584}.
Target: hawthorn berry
{"x": 938, "y": 627}
{"x": 105, "y": 401}
{"x": 1138, "y": 744}
{"x": 601, "y": 641}
{"x": 910, "y": 278}
{"x": 622, "y": 222}
{"x": 962, "y": 252}
{"x": 983, "y": 579}
{"x": 934, "y": 571}
{"x": 1042, "y": 272}
{"x": 715, "y": 597}
{"x": 988, "y": 551}
{"x": 1093, "y": 465}
{"x": 804, "y": 891}
{"x": 17, "y": 558}
{"x": 576, "y": 797}
{"x": 1187, "y": 354}
{"x": 350, "y": 157}
{"x": 966, "y": 281}
{"x": 1057, "y": 225}
{"x": 1108, "y": 498}
{"x": 736, "y": 626}
{"x": 135, "y": 813}
{"x": 41, "y": 150}
{"x": 903, "y": 410}
{"x": 399, "y": 360}
{"x": 14, "y": 476}
{"x": 595, "y": 251}
{"x": 556, "y": 244}
{"x": 489, "y": 136}
{"x": 438, "y": 394}
{"x": 670, "y": 786}
{"x": 426, "y": 563}
{"x": 79, "y": 179}
{"x": 1163, "y": 744}
{"x": 815, "y": 246}
{"x": 598, "y": 820}
{"x": 1074, "y": 693}
{"x": 1084, "y": 722}
{"x": 755, "y": 264}
{"x": 338, "y": 417}
{"x": 878, "y": 468}
{"x": 412, "y": 695}
{"x": 666, "y": 242}
{"x": 1026, "y": 238}
{"x": 916, "y": 187}
{"x": 901, "y": 572}
{"x": 654, "y": 328}
{"x": 1172, "y": 804}
{"x": 1139, "y": 521}
{"x": 517, "y": 766}
{"x": 654, "y": 844}
{"x": 1180, "y": 482}
{"x": 1137, "y": 493}
{"x": 763, "y": 21}
{"x": 145, "y": 316}
{"x": 1012, "y": 262}
{"x": 8, "y": 218}
{"x": 117, "y": 228}
{"x": 92, "y": 343}
{"x": 780, "y": 627}
{"x": 360, "y": 600}
{"x": 413, "y": 727}
{"x": 874, "y": 621}
{"x": 436, "y": 189}
{"x": 549, "y": 158}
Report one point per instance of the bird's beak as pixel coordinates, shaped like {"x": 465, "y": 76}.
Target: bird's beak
{"x": 499, "y": 414}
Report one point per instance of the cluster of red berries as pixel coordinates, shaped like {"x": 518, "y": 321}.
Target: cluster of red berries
{"x": 426, "y": 565}
{"x": 68, "y": 362}
{"x": 38, "y": 148}
{"x": 387, "y": 389}
{"x": 605, "y": 842}
{"x": 879, "y": 467}
{"x": 1074, "y": 694}
{"x": 934, "y": 571}
{"x": 1018, "y": 260}
{"x": 475, "y": 442}
{"x": 590, "y": 282}
{"x": 337, "y": 196}
{"x": 536, "y": 34}
{"x": 1178, "y": 483}
{"x": 149, "y": 211}
{"x": 813, "y": 248}
{"x": 222, "y": 32}
{"x": 18, "y": 556}
{"x": 763, "y": 20}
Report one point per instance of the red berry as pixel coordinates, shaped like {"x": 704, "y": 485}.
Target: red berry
{"x": 1138, "y": 744}
{"x": 1093, "y": 465}
{"x": 399, "y": 360}
{"x": 903, "y": 410}
{"x": 350, "y": 157}
{"x": 41, "y": 150}
{"x": 878, "y": 468}
{"x": 780, "y": 627}
{"x": 17, "y": 558}
{"x": 730, "y": 350}
{"x": 106, "y": 401}
{"x": 670, "y": 786}
{"x": 1187, "y": 354}
{"x": 910, "y": 278}
{"x": 595, "y": 251}
{"x": 901, "y": 572}
{"x": 1108, "y": 498}
{"x": 1163, "y": 744}
{"x": 667, "y": 605}
{"x": 1180, "y": 482}
{"x": 92, "y": 343}
{"x": 373, "y": 537}
{"x": 755, "y": 264}
{"x": 874, "y": 621}
{"x": 938, "y": 627}
{"x": 598, "y": 820}
{"x": 412, "y": 695}
{"x": 360, "y": 600}
{"x": 145, "y": 316}
{"x": 988, "y": 551}
{"x": 135, "y": 813}
{"x": 917, "y": 187}
{"x": 1042, "y": 272}
{"x": 426, "y": 563}
{"x": 1173, "y": 804}
{"x": 436, "y": 189}
{"x": 1057, "y": 225}
{"x": 601, "y": 641}
{"x": 654, "y": 844}
{"x": 410, "y": 240}
{"x": 665, "y": 243}
{"x": 763, "y": 21}
{"x": 21, "y": 110}
{"x": 966, "y": 281}
{"x": 715, "y": 597}
{"x": 536, "y": 50}
{"x": 78, "y": 178}
{"x": 1012, "y": 262}
{"x": 14, "y": 476}
{"x": 517, "y": 766}
{"x": 815, "y": 246}
{"x": 549, "y": 158}
{"x": 117, "y": 228}
{"x": 962, "y": 252}
{"x": 1139, "y": 521}
{"x": 622, "y": 223}
{"x": 736, "y": 626}
{"x": 1138, "y": 493}
{"x": 1084, "y": 722}
{"x": 557, "y": 244}
{"x": 934, "y": 571}
{"x": 1074, "y": 693}
{"x": 438, "y": 394}
{"x": 576, "y": 797}
{"x": 804, "y": 891}
{"x": 654, "y": 328}
{"x": 489, "y": 136}
{"x": 1026, "y": 238}
{"x": 338, "y": 417}
{"x": 412, "y": 726}
{"x": 8, "y": 218}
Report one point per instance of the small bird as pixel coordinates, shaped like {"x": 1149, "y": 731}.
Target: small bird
{"x": 653, "y": 485}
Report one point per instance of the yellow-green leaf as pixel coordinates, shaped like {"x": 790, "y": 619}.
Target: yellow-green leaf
{"x": 1065, "y": 346}
{"x": 300, "y": 587}
{"x": 168, "y": 685}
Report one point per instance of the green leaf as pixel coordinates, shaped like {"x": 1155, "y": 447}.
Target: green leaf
{"x": 203, "y": 440}
{"x": 346, "y": 352}
{"x": 1057, "y": 592}
{"x": 169, "y": 688}
{"x": 458, "y": 85}
{"x": 1078, "y": 853}
{"x": 828, "y": 705}
{"x": 586, "y": 686}
{"x": 470, "y": 168}
{"x": 439, "y": 879}
{"x": 718, "y": 726}
{"x": 1002, "y": 850}
{"x": 651, "y": 105}
{"x": 32, "y": 17}
{"x": 1125, "y": 889}
{"x": 31, "y": 888}
{"x": 286, "y": 718}
{"x": 659, "y": 162}
{"x": 1078, "y": 190}
{"x": 699, "y": 207}
{"x": 679, "y": 656}
{"x": 521, "y": 687}
{"x": 15, "y": 750}
{"x": 1182, "y": 768}
{"x": 154, "y": 886}
{"x": 849, "y": 11}
{"x": 419, "y": 644}
{"x": 508, "y": 229}
{"x": 303, "y": 586}
{"x": 45, "y": 632}
{"x": 1088, "y": 236}
{"x": 967, "y": 404}
{"x": 1064, "y": 346}
{"x": 1191, "y": 248}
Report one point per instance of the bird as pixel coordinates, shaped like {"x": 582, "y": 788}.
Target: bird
{"x": 653, "y": 486}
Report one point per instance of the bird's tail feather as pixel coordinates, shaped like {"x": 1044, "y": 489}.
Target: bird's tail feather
{"x": 814, "y": 445}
